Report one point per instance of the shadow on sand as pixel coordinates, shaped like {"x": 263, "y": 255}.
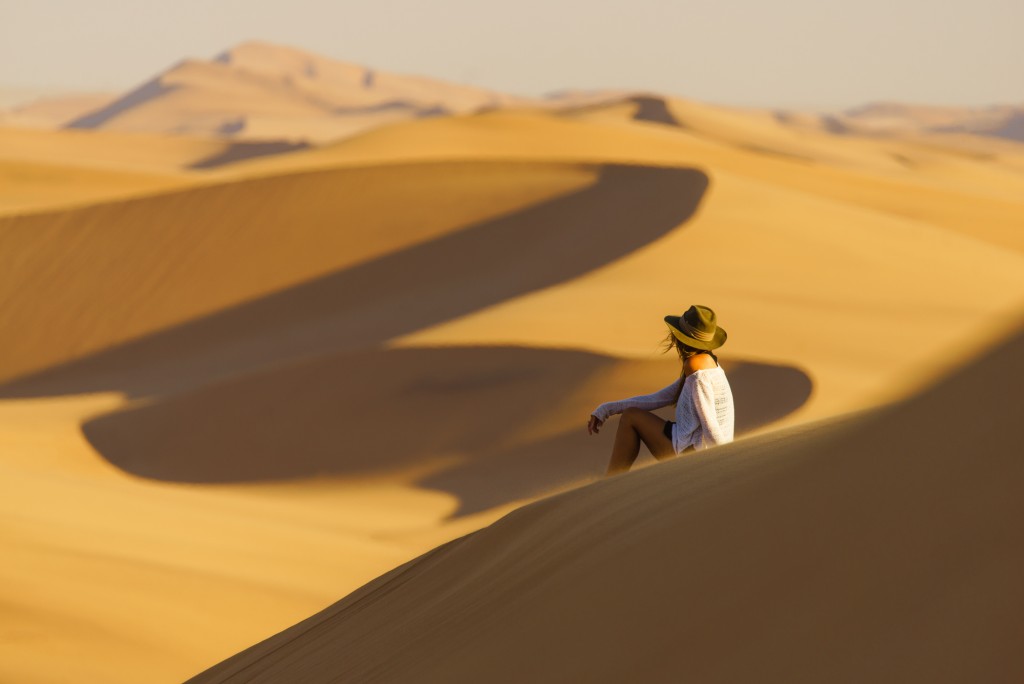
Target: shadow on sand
{"x": 505, "y": 415}
{"x": 297, "y": 384}
{"x": 654, "y": 110}
{"x": 150, "y": 90}
{"x": 649, "y": 108}
{"x": 398, "y": 293}
{"x": 241, "y": 150}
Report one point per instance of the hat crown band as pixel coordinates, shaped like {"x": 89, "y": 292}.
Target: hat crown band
{"x": 702, "y": 335}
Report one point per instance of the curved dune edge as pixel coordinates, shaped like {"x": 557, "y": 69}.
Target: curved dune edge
{"x": 353, "y": 415}
{"x": 133, "y": 579}
{"x": 260, "y": 299}
{"x": 872, "y": 547}
{"x": 33, "y": 186}
{"x": 113, "y": 272}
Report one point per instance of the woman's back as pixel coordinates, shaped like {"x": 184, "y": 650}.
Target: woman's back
{"x": 705, "y": 415}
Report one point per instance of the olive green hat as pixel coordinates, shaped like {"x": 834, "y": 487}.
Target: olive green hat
{"x": 697, "y": 328}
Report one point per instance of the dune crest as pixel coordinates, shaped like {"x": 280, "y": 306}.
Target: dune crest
{"x": 896, "y": 118}
{"x": 207, "y": 387}
{"x": 870, "y": 548}
{"x": 259, "y": 90}
{"x": 52, "y": 111}
{"x": 180, "y": 259}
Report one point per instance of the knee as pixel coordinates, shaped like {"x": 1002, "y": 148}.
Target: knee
{"x": 629, "y": 414}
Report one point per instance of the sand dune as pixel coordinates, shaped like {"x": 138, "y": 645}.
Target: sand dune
{"x": 858, "y": 213}
{"x": 107, "y": 150}
{"x": 998, "y": 121}
{"x": 110, "y": 578}
{"x": 130, "y": 266}
{"x": 485, "y": 279}
{"x": 867, "y": 549}
{"x": 45, "y": 170}
{"x": 52, "y": 111}
{"x": 148, "y": 264}
{"x": 518, "y": 448}
{"x": 896, "y": 118}
{"x": 260, "y": 90}
{"x": 749, "y": 142}
{"x": 29, "y": 187}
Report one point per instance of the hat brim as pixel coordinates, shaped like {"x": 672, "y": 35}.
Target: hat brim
{"x": 714, "y": 343}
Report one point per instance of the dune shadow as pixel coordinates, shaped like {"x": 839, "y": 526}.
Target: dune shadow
{"x": 773, "y": 152}
{"x": 834, "y": 125}
{"x": 1012, "y": 128}
{"x": 763, "y": 393}
{"x": 371, "y": 412}
{"x": 654, "y": 110}
{"x": 649, "y": 108}
{"x": 248, "y": 150}
{"x": 150, "y": 90}
{"x": 398, "y": 293}
{"x": 410, "y": 107}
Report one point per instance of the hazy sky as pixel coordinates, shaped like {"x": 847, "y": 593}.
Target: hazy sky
{"x": 808, "y": 53}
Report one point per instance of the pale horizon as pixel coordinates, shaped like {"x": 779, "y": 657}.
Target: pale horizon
{"x": 794, "y": 54}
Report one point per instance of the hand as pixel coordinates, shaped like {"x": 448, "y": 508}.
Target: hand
{"x": 594, "y": 425}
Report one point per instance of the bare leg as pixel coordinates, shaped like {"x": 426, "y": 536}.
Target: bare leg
{"x": 637, "y": 425}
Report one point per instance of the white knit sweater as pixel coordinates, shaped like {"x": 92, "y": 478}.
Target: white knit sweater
{"x": 704, "y": 412}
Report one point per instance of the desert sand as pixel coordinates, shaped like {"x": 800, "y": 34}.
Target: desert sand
{"x": 869, "y": 547}
{"x": 260, "y": 90}
{"x": 42, "y": 110}
{"x": 235, "y": 390}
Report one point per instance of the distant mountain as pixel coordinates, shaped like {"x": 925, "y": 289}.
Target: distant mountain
{"x": 49, "y": 110}
{"x": 261, "y": 90}
{"x": 999, "y": 121}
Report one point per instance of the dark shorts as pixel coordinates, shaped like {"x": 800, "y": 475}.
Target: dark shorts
{"x": 668, "y": 429}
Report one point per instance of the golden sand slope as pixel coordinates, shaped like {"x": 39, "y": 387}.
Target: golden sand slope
{"x": 110, "y": 578}
{"x": 149, "y": 263}
{"x": 92, "y": 554}
{"x": 805, "y": 240}
{"x": 45, "y": 170}
{"x": 115, "y": 578}
{"x": 27, "y": 186}
{"x": 179, "y": 552}
{"x": 208, "y": 330}
{"x": 107, "y": 150}
{"x": 873, "y": 548}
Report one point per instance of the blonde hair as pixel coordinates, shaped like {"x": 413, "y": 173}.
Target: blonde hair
{"x": 683, "y": 350}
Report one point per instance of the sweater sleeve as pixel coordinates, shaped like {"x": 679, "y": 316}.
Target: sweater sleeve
{"x": 663, "y": 397}
{"x": 704, "y": 403}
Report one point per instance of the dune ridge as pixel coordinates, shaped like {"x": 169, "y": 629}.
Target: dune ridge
{"x": 243, "y": 296}
{"x": 867, "y": 548}
{"x": 259, "y": 90}
{"x": 997, "y": 121}
{"x": 146, "y": 264}
{"x": 48, "y": 110}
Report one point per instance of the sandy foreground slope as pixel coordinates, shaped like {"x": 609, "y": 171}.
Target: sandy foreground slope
{"x": 207, "y": 407}
{"x": 870, "y": 548}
